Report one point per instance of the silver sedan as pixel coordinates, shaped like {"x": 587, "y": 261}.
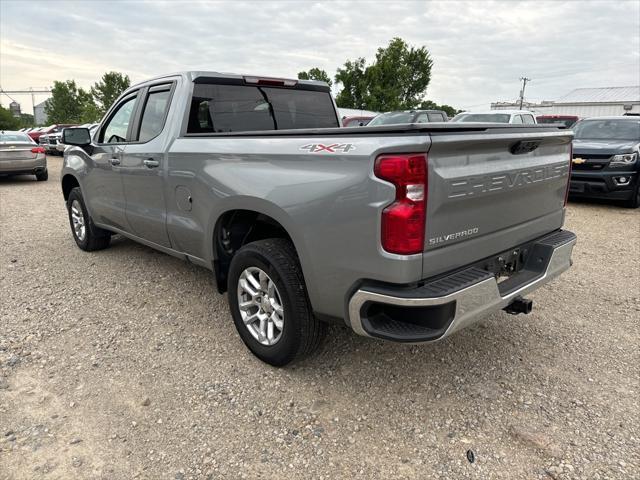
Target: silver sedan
{"x": 20, "y": 155}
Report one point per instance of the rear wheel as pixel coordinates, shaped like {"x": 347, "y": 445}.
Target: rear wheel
{"x": 87, "y": 236}
{"x": 42, "y": 176}
{"x": 269, "y": 303}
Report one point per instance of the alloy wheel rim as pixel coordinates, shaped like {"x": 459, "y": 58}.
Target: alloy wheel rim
{"x": 260, "y": 306}
{"x": 77, "y": 219}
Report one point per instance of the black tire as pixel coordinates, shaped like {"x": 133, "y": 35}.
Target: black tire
{"x": 95, "y": 238}
{"x": 634, "y": 201}
{"x": 302, "y": 332}
{"x": 42, "y": 176}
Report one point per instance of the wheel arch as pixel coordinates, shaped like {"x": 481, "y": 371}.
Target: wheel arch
{"x": 235, "y": 227}
{"x": 69, "y": 182}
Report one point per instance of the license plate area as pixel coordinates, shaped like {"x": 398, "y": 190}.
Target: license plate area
{"x": 506, "y": 264}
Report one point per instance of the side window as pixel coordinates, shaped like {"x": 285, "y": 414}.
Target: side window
{"x": 115, "y": 130}
{"x": 154, "y": 114}
{"x": 422, "y": 118}
{"x": 517, "y": 119}
{"x": 528, "y": 119}
{"x": 436, "y": 117}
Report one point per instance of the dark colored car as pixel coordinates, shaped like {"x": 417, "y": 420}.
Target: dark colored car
{"x": 409, "y": 116}
{"x": 566, "y": 120}
{"x": 605, "y": 159}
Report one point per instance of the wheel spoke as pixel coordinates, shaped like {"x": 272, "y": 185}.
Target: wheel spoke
{"x": 251, "y": 318}
{"x": 255, "y": 283}
{"x": 244, "y": 284}
{"x": 247, "y": 305}
{"x": 264, "y": 280}
{"x": 270, "y": 337}
{"x": 263, "y": 327}
{"x": 277, "y": 321}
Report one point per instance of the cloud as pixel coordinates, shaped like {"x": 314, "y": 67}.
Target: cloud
{"x": 480, "y": 49}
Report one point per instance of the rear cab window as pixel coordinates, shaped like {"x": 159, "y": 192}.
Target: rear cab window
{"x": 223, "y": 108}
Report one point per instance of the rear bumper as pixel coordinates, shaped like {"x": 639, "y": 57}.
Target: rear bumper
{"x": 30, "y": 166}
{"x": 440, "y": 307}
{"x": 603, "y": 184}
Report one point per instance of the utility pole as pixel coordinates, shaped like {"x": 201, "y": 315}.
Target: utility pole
{"x": 524, "y": 85}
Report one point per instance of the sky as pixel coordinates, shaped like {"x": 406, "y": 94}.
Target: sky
{"x": 480, "y": 49}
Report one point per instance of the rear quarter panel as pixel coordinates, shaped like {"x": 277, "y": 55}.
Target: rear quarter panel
{"x": 329, "y": 203}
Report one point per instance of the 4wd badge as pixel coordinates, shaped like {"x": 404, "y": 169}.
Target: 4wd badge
{"x": 333, "y": 148}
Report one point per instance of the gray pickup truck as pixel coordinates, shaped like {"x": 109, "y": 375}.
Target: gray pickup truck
{"x": 403, "y": 232}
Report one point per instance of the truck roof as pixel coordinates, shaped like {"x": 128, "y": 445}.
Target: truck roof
{"x": 192, "y": 75}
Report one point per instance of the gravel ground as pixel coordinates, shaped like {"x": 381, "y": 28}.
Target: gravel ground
{"x": 125, "y": 364}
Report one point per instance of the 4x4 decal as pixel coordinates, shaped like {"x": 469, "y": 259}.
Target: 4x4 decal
{"x": 333, "y": 148}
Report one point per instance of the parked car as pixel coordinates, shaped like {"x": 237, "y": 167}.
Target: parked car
{"x": 409, "y": 116}
{"x": 48, "y": 142}
{"x": 401, "y": 230}
{"x": 566, "y": 120}
{"x": 605, "y": 159}
{"x": 20, "y": 155}
{"x": 356, "y": 121}
{"x": 514, "y": 117}
{"x": 36, "y": 134}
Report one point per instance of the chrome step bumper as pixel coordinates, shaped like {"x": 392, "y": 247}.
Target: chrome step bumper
{"x": 457, "y": 300}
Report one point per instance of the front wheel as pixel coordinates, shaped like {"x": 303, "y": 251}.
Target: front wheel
{"x": 269, "y": 302}
{"x": 87, "y": 236}
{"x": 634, "y": 201}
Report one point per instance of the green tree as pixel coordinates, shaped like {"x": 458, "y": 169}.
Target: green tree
{"x": 68, "y": 103}
{"x": 7, "y": 120}
{"x": 352, "y": 76}
{"x": 315, "y": 74}
{"x": 448, "y": 109}
{"x": 396, "y": 80}
{"x": 26, "y": 120}
{"x": 108, "y": 89}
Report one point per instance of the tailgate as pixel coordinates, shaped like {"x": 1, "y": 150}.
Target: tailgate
{"x": 489, "y": 191}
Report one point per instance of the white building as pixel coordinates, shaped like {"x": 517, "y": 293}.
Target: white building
{"x": 39, "y": 117}
{"x": 585, "y": 102}
{"x": 599, "y": 102}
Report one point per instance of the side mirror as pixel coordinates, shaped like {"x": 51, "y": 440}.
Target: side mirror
{"x": 76, "y": 136}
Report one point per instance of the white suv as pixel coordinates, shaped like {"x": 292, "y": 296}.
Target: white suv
{"x": 497, "y": 116}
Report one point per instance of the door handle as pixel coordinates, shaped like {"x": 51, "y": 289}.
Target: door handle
{"x": 115, "y": 161}
{"x": 151, "y": 163}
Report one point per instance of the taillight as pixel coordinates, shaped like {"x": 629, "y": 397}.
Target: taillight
{"x": 37, "y": 150}
{"x": 403, "y": 222}
{"x": 566, "y": 193}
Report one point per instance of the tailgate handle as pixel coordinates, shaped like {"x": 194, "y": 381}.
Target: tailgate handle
{"x": 524, "y": 146}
